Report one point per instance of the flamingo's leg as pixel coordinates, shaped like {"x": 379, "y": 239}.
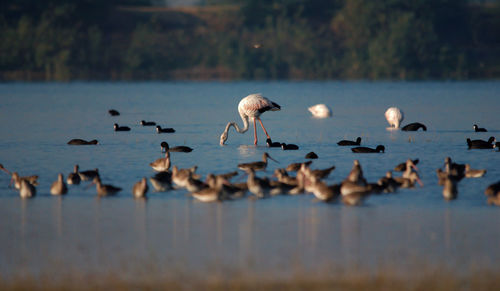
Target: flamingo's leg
{"x": 265, "y": 131}
{"x": 254, "y": 132}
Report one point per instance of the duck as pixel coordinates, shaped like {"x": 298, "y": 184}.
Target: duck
{"x": 77, "y": 141}
{"x": 59, "y": 187}
{"x": 257, "y": 166}
{"x": 471, "y": 173}
{"x": 147, "y": 123}
{"x": 161, "y": 181}
{"x": 479, "y": 129}
{"x": 320, "y": 111}
{"x": 290, "y": 146}
{"x": 311, "y": 155}
{"x": 481, "y": 144}
{"x": 26, "y": 189}
{"x": 414, "y": 127}
{"x": 402, "y": 167}
{"x": 73, "y": 178}
{"x": 113, "y": 112}
{"x": 105, "y": 190}
{"x": 89, "y": 174}
{"x": 180, "y": 149}
{"x": 120, "y": 128}
{"x": 161, "y": 164}
{"x": 350, "y": 142}
{"x": 164, "y": 130}
{"x": 140, "y": 188}
{"x": 272, "y": 144}
{"x": 366, "y": 150}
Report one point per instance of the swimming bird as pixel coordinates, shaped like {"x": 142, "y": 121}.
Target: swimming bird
{"x": 164, "y": 130}
{"x": 180, "y": 176}
{"x": 272, "y": 144}
{"x": 454, "y": 169}
{"x": 493, "y": 189}
{"x": 394, "y": 116}
{"x": 77, "y": 141}
{"x": 229, "y": 191}
{"x": 350, "y": 142}
{"x": 356, "y": 174}
{"x": 26, "y": 189}
{"x": 33, "y": 180}
{"x": 402, "y": 167}
{"x": 211, "y": 194}
{"x": 195, "y": 185}
{"x": 257, "y": 166}
{"x": 472, "y": 173}
{"x": 442, "y": 175}
{"x": 414, "y": 127}
{"x": 113, "y": 112}
{"x": 450, "y": 190}
{"x": 409, "y": 181}
{"x": 73, "y": 178}
{"x": 89, "y": 174}
{"x": 105, "y": 190}
{"x": 311, "y": 155}
{"x": 120, "y": 128}
{"x": 320, "y": 111}
{"x": 410, "y": 166}
{"x": 497, "y": 145}
{"x": 59, "y": 187}
{"x": 388, "y": 183}
{"x": 161, "y": 181}
{"x": 290, "y": 146}
{"x": 252, "y": 107}
{"x": 147, "y": 123}
{"x": 322, "y": 191}
{"x": 481, "y": 144}
{"x": 140, "y": 188}
{"x": 479, "y": 129}
{"x": 161, "y": 164}
{"x": 180, "y": 149}
{"x": 380, "y": 148}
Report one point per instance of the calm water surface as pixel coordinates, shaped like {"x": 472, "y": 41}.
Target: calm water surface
{"x": 279, "y": 236}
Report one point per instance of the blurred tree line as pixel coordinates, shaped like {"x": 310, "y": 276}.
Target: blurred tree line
{"x": 249, "y": 39}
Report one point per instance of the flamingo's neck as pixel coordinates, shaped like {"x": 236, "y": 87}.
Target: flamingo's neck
{"x": 235, "y": 125}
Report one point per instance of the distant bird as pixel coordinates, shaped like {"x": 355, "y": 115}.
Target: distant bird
{"x": 394, "y": 116}
{"x": 257, "y": 166}
{"x": 147, "y": 123}
{"x": 161, "y": 164}
{"x": 457, "y": 171}
{"x": 105, "y": 190}
{"x": 212, "y": 193}
{"x": 472, "y": 173}
{"x": 479, "y": 129}
{"x": 73, "y": 178}
{"x": 290, "y": 146}
{"x": 320, "y": 111}
{"x": 140, "y": 188}
{"x": 120, "y": 128}
{"x": 257, "y": 186}
{"x": 493, "y": 189}
{"x": 180, "y": 149}
{"x": 414, "y": 127}
{"x": 450, "y": 190}
{"x": 89, "y": 175}
{"x": 311, "y": 155}
{"x": 251, "y": 106}
{"x": 380, "y": 148}
{"x": 294, "y": 167}
{"x": 272, "y": 144}
{"x": 180, "y": 176}
{"x": 402, "y": 167}
{"x": 59, "y": 187}
{"x": 481, "y": 144}
{"x": 388, "y": 183}
{"x": 164, "y": 130}
{"x": 162, "y": 181}
{"x": 33, "y": 180}
{"x": 77, "y": 141}
{"x": 350, "y": 142}
{"x": 497, "y": 145}
{"x": 113, "y": 112}
{"x": 26, "y": 189}
{"x": 322, "y": 191}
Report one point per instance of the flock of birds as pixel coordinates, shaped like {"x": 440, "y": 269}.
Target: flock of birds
{"x": 352, "y": 190}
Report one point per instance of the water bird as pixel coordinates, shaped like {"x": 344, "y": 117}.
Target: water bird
{"x": 161, "y": 164}
{"x": 409, "y": 180}
{"x": 180, "y": 149}
{"x": 394, "y": 116}
{"x": 414, "y": 127}
{"x": 140, "y": 188}
{"x": 228, "y": 176}
{"x": 322, "y": 191}
{"x": 161, "y": 181}
{"x": 147, "y": 123}
{"x": 180, "y": 176}
{"x": 212, "y": 193}
{"x": 356, "y": 174}
{"x": 480, "y": 144}
{"x": 26, "y": 189}
{"x": 73, "y": 178}
{"x": 272, "y": 144}
{"x": 283, "y": 177}
{"x": 380, "y": 148}
{"x": 402, "y": 167}
{"x": 59, "y": 187}
{"x": 493, "y": 190}
{"x": 320, "y": 111}
{"x": 251, "y": 106}
{"x": 350, "y": 142}
{"x": 77, "y": 141}
{"x": 195, "y": 185}
{"x": 89, "y": 174}
{"x": 497, "y": 145}
{"x": 105, "y": 190}
{"x": 472, "y": 173}
{"x": 450, "y": 190}
{"x": 120, "y": 128}
{"x": 290, "y": 146}
{"x": 311, "y": 155}
{"x": 257, "y": 166}
{"x": 159, "y": 129}
{"x": 454, "y": 169}
{"x": 294, "y": 167}
{"x": 410, "y": 166}
{"x": 257, "y": 186}
{"x": 388, "y": 183}
{"x": 113, "y": 112}
{"x": 33, "y": 180}
{"x": 479, "y": 129}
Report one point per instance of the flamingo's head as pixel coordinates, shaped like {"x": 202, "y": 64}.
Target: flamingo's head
{"x": 223, "y": 138}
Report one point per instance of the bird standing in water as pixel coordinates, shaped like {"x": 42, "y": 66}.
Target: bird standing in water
{"x": 251, "y": 106}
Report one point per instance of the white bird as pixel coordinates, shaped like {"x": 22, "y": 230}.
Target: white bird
{"x": 394, "y": 116}
{"x": 251, "y": 106}
{"x": 320, "y": 111}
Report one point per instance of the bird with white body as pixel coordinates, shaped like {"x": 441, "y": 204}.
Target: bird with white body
{"x": 320, "y": 111}
{"x": 394, "y": 116}
{"x": 252, "y": 107}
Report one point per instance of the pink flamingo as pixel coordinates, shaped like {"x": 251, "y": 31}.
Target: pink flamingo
{"x": 251, "y": 106}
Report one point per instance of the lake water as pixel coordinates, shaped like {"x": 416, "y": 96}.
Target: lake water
{"x": 280, "y": 236}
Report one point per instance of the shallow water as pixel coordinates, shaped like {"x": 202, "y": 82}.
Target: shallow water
{"x": 277, "y": 236}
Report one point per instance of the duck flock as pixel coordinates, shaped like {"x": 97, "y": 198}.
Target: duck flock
{"x": 296, "y": 178}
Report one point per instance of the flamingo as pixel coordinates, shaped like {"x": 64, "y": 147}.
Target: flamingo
{"x": 320, "y": 111}
{"x": 394, "y": 116}
{"x": 251, "y": 106}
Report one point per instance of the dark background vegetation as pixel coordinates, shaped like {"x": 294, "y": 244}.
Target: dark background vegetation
{"x": 249, "y": 39}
